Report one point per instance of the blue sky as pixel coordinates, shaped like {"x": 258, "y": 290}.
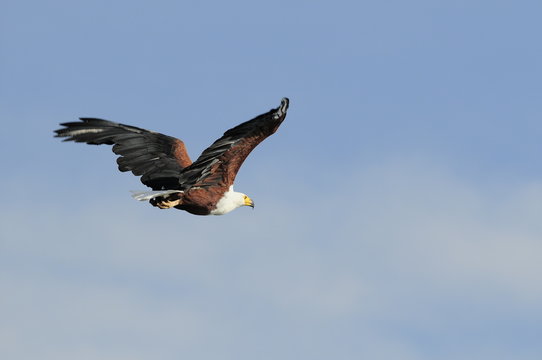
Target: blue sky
{"x": 397, "y": 208}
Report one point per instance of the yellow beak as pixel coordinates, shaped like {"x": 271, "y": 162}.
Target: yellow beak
{"x": 249, "y": 202}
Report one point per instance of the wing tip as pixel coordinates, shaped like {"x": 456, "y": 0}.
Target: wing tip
{"x": 283, "y": 108}
{"x": 284, "y": 103}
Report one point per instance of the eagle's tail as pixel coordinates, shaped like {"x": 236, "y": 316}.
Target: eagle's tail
{"x": 149, "y": 195}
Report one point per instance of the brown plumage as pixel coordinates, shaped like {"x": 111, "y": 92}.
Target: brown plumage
{"x": 202, "y": 187}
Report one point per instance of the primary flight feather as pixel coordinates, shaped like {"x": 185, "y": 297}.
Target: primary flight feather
{"x": 202, "y": 187}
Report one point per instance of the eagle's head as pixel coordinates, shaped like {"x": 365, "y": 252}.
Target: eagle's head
{"x": 231, "y": 200}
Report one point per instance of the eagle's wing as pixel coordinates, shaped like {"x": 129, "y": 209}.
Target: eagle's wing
{"x": 157, "y": 158}
{"x": 219, "y": 163}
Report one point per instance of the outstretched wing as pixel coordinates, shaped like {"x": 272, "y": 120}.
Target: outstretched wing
{"x": 157, "y": 158}
{"x": 220, "y": 162}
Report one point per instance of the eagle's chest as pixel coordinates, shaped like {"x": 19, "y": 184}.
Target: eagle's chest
{"x": 201, "y": 201}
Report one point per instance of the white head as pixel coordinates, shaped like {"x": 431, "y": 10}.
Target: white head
{"x": 231, "y": 200}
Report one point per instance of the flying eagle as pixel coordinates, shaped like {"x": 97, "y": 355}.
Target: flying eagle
{"x": 202, "y": 187}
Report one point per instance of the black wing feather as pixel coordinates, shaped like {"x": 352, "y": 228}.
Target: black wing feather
{"x": 145, "y": 153}
{"x": 231, "y": 150}
{"x": 162, "y": 161}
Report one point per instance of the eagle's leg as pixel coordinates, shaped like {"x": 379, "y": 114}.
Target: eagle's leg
{"x": 166, "y": 202}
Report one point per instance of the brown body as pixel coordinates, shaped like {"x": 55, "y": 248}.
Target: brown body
{"x": 200, "y": 201}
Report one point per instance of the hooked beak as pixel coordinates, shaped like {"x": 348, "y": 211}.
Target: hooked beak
{"x": 249, "y": 202}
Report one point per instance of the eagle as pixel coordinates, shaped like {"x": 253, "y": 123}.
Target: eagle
{"x": 202, "y": 187}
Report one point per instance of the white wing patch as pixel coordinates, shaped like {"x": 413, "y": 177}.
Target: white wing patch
{"x": 82, "y": 131}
